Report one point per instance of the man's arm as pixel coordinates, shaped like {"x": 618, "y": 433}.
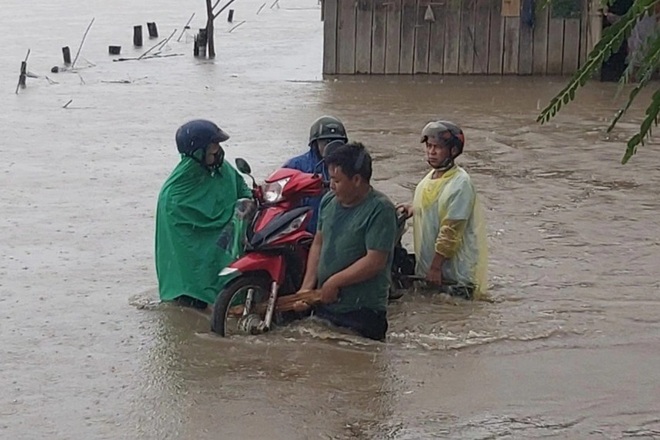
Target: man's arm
{"x": 406, "y": 208}
{"x": 309, "y": 282}
{"x": 452, "y": 228}
{"x": 243, "y": 190}
{"x": 380, "y": 237}
{"x": 363, "y": 269}
{"x": 446, "y": 245}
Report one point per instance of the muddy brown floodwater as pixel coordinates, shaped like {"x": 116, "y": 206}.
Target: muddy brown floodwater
{"x": 568, "y": 347}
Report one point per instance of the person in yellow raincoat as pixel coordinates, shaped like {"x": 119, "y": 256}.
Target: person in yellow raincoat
{"x": 448, "y": 227}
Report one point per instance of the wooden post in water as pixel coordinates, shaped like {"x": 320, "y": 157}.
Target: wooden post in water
{"x": 202, "y": 41}
{"x": 230, "y": 17}
{"x": 23, "y": 76}
{"x": 153, "y": 30}
{"x": 137, "y": 36}
{"x": 66, "y": 53}
{"x": 196, "y": 47}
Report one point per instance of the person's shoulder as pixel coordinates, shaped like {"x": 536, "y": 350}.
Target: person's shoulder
{"x": 300, "y": 162}
{"x": 463, "y": 176}
{"x": 327, "y": 199}
{"x": 461, "y": 182}
{"x": 381, "y": 200}
{"x": 456, "y": 175}
{"x": 231, "y": 169}
{"x": 460, "y": 171}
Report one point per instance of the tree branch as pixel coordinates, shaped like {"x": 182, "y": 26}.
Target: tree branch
{"x": 81, "y": 44}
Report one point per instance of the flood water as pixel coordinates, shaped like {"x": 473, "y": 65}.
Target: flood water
{"x": 567, "y": 348}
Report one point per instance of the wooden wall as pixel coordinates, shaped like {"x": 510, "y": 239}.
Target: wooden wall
{"x": 453, "y": 37}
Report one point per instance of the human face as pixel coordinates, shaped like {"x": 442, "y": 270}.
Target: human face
{"x": 436, "y": 152}
{"x": 344, "y": 187}
{"x": 212, "y": 153}
{"x": 321, "y": 143}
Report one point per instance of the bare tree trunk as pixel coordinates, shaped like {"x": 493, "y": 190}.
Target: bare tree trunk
{"x": 209, "y": 28}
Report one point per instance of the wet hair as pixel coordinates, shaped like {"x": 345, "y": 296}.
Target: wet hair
{"x": 353, "y": 159}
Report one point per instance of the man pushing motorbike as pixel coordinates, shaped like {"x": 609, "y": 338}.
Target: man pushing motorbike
{"x": 351, "y": 255}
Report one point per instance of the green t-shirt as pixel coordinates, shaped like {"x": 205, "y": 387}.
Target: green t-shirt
{"x": 347, "y": 235}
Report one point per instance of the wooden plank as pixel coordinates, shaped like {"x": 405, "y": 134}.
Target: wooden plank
{"x": 363, "y": 20}
{"x": 379, "y": 37}
{"x": 567, "y": 9}
{"x": 393, "y": 36}
{"x": 481, "y": 36}
{"x": 584, "y": 30}
{"x": 330, "y": 37}
{"x": 496, "y": 40}
{"x": 452, "y": 36}
{"x": 466, "y": 55}
{"x": 408, "y": 22}
{"x": 422, "y": 33}
{"x": 525, "y": 48}
{"x": 437, "y": 41}
{"x": 594, "y": 25}
{"x": 555, "y": 45}
{"x": 346, "y": 37}
{"x": 571, "y": 46}
{"x": 540, "y": 40}
{"x": 510, "y": 8}
{"x": 511, "y": 45}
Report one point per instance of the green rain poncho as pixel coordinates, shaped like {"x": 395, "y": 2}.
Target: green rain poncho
{"x": 194, "y": 206}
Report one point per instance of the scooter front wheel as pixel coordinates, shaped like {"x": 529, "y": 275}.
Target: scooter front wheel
{"x": 228, "y": 317}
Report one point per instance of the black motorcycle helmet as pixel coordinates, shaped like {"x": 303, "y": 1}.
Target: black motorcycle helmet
{"x": 445, "y": 133}
{"x": 194, "y": 137}
{"x": 327, "y": 127}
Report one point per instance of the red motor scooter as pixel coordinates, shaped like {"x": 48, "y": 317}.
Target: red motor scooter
{"x": 276, "y": 246}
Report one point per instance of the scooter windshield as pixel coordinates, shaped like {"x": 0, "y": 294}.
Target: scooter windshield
{"x": 233, "y": 237}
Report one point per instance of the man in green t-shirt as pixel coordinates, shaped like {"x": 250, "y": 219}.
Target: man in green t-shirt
{"x": 351, "y": 255}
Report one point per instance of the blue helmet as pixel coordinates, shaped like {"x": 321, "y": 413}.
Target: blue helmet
{"x": 193, "y": 139}
{"x": 197, "y": 135}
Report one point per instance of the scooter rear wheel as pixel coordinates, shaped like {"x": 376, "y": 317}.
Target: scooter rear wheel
{"x": 225, "y": 320}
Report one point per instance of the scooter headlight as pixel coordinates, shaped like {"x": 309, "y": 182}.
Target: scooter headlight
{"x": 273, "y": 191}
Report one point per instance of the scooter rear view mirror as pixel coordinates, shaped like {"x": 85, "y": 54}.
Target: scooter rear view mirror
{"x": 243, "y": 166}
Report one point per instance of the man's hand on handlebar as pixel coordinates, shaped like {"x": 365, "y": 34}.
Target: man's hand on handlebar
{"x": 405, "y": 208}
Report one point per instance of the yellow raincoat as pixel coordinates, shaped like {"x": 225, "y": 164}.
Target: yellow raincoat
{"x": 448, "y": 220}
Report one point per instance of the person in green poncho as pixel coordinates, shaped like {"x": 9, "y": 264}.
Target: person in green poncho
{"x": 195, "y": 203}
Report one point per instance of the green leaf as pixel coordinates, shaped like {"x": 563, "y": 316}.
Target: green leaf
{"x": 646, "y": 62}
{"x": 612, "y": 38}
{"x": 645, "y": 128}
